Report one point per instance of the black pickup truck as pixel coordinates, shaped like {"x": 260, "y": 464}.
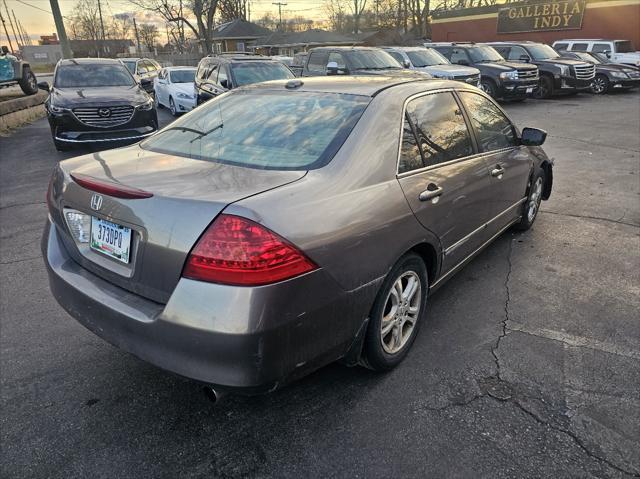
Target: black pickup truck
{"x": 499, "y": 78}
{"x": 354, "y": 61}
{"x": 557, "y": 75}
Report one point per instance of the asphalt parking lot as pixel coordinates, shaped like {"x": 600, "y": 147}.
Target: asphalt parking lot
{"x": 528, "y": 365}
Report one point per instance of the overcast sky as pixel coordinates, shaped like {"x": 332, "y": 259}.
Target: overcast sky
{"x": 36, "y": 18}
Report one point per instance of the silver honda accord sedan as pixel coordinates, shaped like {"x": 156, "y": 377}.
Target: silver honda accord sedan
{"x": 288, "y": 224}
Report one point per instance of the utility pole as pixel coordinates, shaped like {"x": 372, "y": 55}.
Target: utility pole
{"x": 10, "y": 23}
{"x": 101, "y": 22}
{"x": 280, "y": 5}
{"x": 6, "y": 32}
{"x": 135, "y": 28}
{"x": 62, "y": 34}
{"x": 23, "y": 32}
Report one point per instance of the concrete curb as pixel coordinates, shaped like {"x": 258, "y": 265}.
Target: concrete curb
{"x": 20, "y": 111}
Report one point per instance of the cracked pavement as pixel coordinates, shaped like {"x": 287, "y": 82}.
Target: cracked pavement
{"x": 528, "y": 364}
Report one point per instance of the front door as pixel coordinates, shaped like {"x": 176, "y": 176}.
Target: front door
{"x": 509, "y": 164}
{"x": 446, "y": 184}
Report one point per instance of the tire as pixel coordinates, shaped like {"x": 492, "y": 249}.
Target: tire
{"x": 545, "y": 88}
{"x": 172, "y": 107}
{"x": 384, "y": 350}
{"x": 62, "y": 146}
{"x": 531, "y": 207}
{"x": 489, "y": 87}
{"x": 28, "y": 83}
{"x": 600, "y": 85}
{"x": 156, "y": 101}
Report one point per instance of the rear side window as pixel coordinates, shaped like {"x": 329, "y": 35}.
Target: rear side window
{"x": 560, "y": 46}
{"x": 601, "y": 47}
{"x": 439, "y": 130}
{"x": 580, "y": 47}
{"x": 264, "y": 129}
{"x": 517, "y": 54}
{"x": 493, "y": 129}
{"x": 317, "y": 62}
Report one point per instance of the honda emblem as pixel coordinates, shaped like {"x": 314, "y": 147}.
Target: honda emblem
{"x": 96, "y": 202}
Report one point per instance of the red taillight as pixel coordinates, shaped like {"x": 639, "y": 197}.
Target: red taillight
{"x": 108, "y": 188}
{"x": 235, "y": 250}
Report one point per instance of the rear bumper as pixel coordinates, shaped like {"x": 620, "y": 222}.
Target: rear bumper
{"x": 248, "y": 339}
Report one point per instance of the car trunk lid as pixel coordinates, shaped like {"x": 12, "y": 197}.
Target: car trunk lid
{"x": 184, "y": 196}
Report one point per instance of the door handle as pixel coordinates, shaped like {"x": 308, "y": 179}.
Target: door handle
{"x": 498, "y": 171}
{"x": 432, "y": 191}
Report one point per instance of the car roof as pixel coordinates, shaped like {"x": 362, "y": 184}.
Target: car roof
{"x": 241, "y": 58}
{"x": 405, "y": 49}
{"x": 178, "y": 68}
{"x": 90, "y": 61}
{"x": 364, "y": 85}
{"x": 590, "y": 40}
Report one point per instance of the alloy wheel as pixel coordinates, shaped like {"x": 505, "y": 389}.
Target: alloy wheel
{"x": 534, "y": 200}
{"x": 172, "y": 107}
{"x": 401, "y": 312}
{"x": 598, "y": 85}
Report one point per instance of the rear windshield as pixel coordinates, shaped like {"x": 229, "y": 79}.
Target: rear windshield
{"x": 92, "y": 75}
{"x": 183, "y": 76}
{"x": 264, "y": 129}
{"x": 256, "y": 72}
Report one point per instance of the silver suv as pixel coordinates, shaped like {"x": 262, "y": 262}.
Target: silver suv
{"x": 433, "y": 62}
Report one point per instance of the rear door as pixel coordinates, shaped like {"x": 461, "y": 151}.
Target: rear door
{"x": 446, "y": 184}
{"x": 509, "y": 164}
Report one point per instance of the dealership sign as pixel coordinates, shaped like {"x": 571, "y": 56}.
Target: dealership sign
{"x": 541, "y": 17}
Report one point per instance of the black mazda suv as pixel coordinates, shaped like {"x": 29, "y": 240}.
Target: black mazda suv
{"x": 96, "y": 100}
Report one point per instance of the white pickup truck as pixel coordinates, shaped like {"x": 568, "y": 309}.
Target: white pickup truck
{"x": 618, "y": 51}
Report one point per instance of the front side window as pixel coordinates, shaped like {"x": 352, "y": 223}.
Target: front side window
{"x": 580, "y": 47}
{"x": 459, "y": 55}
{"x": 223, "y": 81}
{"x": 338, "y": 58}
{"x": 82, "y": 75}
{"x": 601, "y": 47}
{"x": 623, "y": 46}
{"x": 131, "y": 66}
{"x": 560, "y": 46}
{"x": 518, "y": 54}
{"x": 266, "y": 129}
{"x": 256, "y": 72}
{"x": 493, "y": 129}
{"x": 440, "y": 131}
{"x": 317, "y": 62}
{"x": 397, "y": 56}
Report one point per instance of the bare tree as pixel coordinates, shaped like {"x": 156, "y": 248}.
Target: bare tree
{"x": 84, "y": 21}
{"x": 336, "y": 11}
{"x": 121, "y": 26}
{"x": 357, "y": 8}
{"x": 171, "y": 11}
{"x": 148, "y": 34}
{"x": 229, "y": 10}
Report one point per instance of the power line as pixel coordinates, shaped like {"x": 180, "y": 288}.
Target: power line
{"x": 280, "y": 5}
{"x": 33, "y": 6}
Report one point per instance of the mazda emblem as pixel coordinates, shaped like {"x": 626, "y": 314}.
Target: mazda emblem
{"x": 96, "y": 202}
{"x": 104, "y": 112}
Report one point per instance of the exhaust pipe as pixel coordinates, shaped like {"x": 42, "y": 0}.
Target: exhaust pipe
{"x": 213, "y": 395}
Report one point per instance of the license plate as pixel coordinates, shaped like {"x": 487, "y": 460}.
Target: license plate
{"x": 530, "y": 90}
{"x": 111, "y": 239}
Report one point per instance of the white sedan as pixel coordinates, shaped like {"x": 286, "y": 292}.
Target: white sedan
{"x": 174, "y": 89}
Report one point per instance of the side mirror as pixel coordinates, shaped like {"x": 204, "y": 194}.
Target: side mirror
{"x": 607, "y": 53}
{"x": 43, "y": 85}
{"x": 525, "y": 58}
{"x": 5, "y": 50}
{"x": 332, "y": 68}
{"x": 532, "y": 137}
{"x": 462, "y": 61}
{"x": 406, "y": 64}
